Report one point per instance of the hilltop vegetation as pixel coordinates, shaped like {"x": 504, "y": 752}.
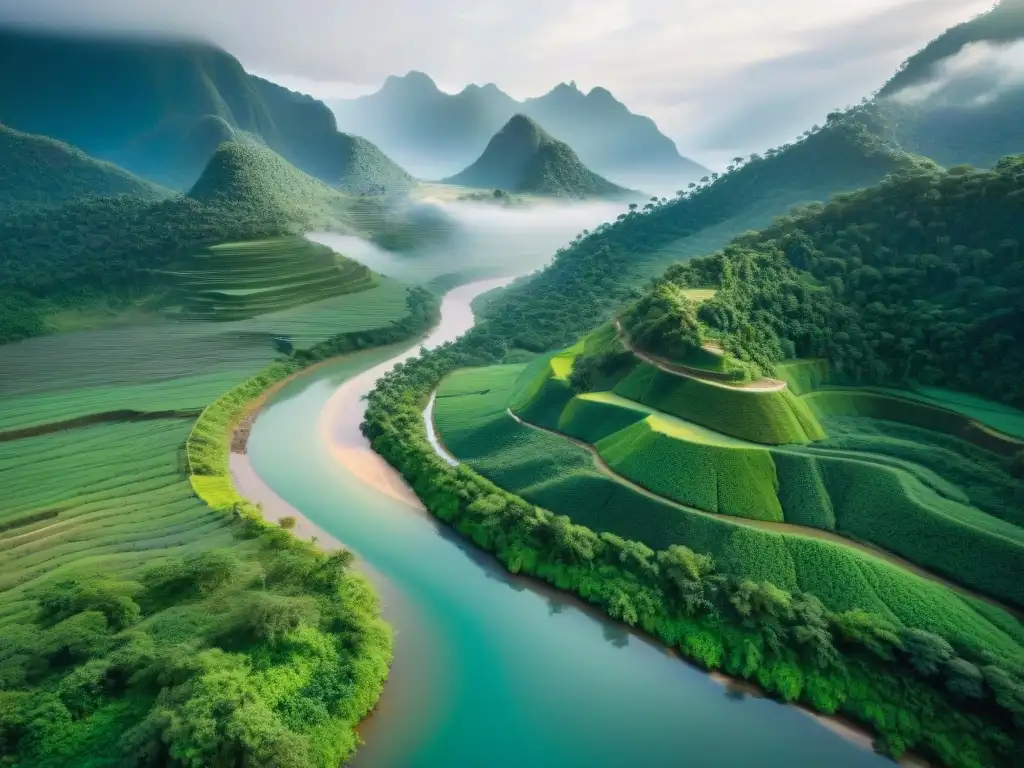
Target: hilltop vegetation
{"x": 160, "y": 107}
{"x": 524, "y": 158}
{"x": 920, "y": 279}
{"x": 37, "y": 169}
{"x": 599, "y": 270}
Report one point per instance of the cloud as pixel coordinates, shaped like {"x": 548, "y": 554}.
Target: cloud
{"x": 975, "y": 76}
{"x": 729, "y": 76}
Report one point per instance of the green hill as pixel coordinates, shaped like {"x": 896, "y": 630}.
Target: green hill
{"x": 158, "y": 108}
{"x": 595, "y": 274}
{"x": 244, "y": 173}
{"x": 918, "y": 279}
{"x": 523, "y": 157}
{"x": 40, "y": 170}
{"x": 958, "y": 100}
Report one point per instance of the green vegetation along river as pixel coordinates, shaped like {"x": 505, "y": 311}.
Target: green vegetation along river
{"x": 492, "y": 669}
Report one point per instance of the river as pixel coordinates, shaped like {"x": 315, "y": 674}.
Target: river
{"x": 493, "y": 670}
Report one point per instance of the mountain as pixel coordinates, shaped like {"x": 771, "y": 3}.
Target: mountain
{"x": 159, "y": 108}
{"x": 41, "y": 170}
{"x": 610, "y": 138}
{"x": 598, "y": 271}
{"x": 436, "y": 132}
{"x": 523, "y": 157}
{"x": 425, "y": 129}
{"x": 961, "y": 98}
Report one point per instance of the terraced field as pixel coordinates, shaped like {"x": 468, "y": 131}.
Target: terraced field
{"x": 234, "y": 281}
{"x": 555, "y": 473}
{"x": 168, "y": 365}
{"x": 110, "y": 496}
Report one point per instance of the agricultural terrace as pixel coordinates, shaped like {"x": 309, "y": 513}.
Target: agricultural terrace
{"x": 234, "y": 281}
{"x": 114, "y": 574}
{"x": 953, "y": 530}
{"x": 559, "y": 474}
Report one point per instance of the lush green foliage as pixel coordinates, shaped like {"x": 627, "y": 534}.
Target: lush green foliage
{"x": 919, "y": 278}
{"x": 880, "y": 669}
{"x": 772, "y": 417}
{"x": 210, "y": 638}
{"x": 597, "y": 272}
{"x": 523, "y": 157}
{"x": 726, "y": 479}
{"x": 41, "y": 170}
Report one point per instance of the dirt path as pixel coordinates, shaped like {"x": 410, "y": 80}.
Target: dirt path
{"x": 707, "y": 377}
{"x": 787, "y": 528}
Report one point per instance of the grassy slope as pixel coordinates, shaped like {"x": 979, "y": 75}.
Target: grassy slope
{"x": 234, "y": 281}
{"x": 552, "y": 472}
{"x": 41, "y": 170}
{"x": 923, "y": 518}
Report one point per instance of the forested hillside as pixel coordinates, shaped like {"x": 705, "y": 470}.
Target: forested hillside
{"x": 37, "y": 169}
{"x": 960, "y": 99}
{"x": 591, "y": 277}
{"x": 108, "y": 251}
{"x": 523, "y": 157}
{"x": 159, "y": 108}
{"x": 920, "y": 278}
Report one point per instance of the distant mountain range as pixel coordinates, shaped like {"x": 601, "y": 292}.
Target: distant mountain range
{"x": 523, "y": 157}
{"x": 436, "y": 133}
{"x": 160, "y": 109}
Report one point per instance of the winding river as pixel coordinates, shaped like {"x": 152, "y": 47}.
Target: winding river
{"x": 492, "y": 670}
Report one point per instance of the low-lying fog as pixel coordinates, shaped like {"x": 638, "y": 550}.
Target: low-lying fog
{"x": 492, "y": 240}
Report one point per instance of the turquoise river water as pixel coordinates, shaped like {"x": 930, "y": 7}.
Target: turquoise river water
{"x": 493, "y": 670}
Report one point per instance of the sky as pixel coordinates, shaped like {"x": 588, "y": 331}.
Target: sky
{"x": 720, "y": 77}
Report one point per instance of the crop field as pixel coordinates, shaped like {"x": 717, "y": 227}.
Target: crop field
{"x": 727, "y": 480}
{"x": 168, "y": 365}
{"x": 112, "y": 496}
{"x": 558, "y": 475}
{"x": 770, "y": 418}
{"x": 803, "y": 376}
{"x": 234, "y": 281}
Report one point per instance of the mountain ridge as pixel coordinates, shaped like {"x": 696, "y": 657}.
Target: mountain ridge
{"x": 447, "y": 130}
{"x": 159, "y": 108}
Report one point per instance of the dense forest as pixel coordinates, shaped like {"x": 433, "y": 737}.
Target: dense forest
{"x": 920, "y": 279}
{"x": 108, "y": 251}
{"x": 950, "y": 698}
{"x": 599, "y": 270}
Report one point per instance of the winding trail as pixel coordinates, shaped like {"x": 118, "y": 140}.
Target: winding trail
{"x": 767, "y": 525}
{"x": 706, "y": 377}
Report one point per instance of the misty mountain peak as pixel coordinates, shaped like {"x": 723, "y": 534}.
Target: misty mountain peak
{"x": 413, "y": 80}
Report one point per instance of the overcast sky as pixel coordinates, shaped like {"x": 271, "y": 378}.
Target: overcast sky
{"x": 721, "y": 77}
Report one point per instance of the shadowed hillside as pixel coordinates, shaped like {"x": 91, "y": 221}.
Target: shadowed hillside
{"x": 961, "y": 98}
{"x": 40, "y": 170}
{"x": 159, "y": 108}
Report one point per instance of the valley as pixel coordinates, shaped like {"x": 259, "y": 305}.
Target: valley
{"x": 510, "y": 455}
